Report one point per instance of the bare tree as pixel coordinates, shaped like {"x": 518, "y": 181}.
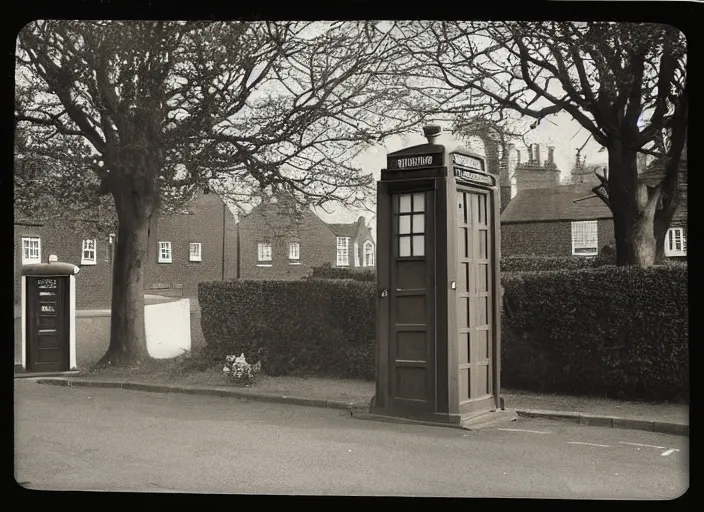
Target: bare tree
{"x": 623, "y": 82}
{"x": 165, "y": 107}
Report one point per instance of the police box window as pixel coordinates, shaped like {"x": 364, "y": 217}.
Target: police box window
{"x": 410, "y": 212}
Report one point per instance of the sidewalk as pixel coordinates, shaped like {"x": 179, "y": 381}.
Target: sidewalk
{"x": 355, "y": 395}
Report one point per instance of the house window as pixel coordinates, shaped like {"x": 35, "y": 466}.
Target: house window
{"x": 264, "y": 254}
{"x": 675, "y": 242}
{"x": 194, "y": 251}
{"x": 88, "y": 253}
{"x": 343, "y": 251}
{"x": 356, "y": 254}
{"x": 410, "y": 210}
{"x": 31, "y": 250}
{"x": 585, "y": 241}
{"x": 164, "y": 252}
{"x": 368, "y": 254}
{"x": 294, "y": 253}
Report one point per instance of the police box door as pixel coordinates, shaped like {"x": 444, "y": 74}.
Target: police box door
{"x": 47, "y": 323}
{"x": 475, "y": 247}
{"x": 412, "y": 311}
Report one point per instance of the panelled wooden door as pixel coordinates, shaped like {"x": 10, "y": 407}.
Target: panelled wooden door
{"x": 47, "y": 324}
{"x": 474, "y": 300}
{"x": 412, "y": 314}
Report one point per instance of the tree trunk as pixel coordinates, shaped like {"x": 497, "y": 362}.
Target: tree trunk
{"x": 128, "y": 345}
{"x": 633, "y": 205}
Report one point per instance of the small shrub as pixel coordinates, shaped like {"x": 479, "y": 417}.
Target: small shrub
{"x": 238, "y": 370}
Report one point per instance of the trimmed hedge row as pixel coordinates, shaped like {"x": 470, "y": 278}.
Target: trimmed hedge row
{"x": 327, "y": 271}
{"x": 620, "y": 332}
{"x": 547, "y": 263}
{"x": 617, "y": 331}
{"x": 317, "y": 326}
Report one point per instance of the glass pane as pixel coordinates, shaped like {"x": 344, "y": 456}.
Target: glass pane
{"x": 404, "y": 247}
{"x": 419, "y": 202}
{"x": 404, "y": 224}
{"x": 405, "y": 203}
{"x": 419, "y": 223}
{"x": 418, "y": 245}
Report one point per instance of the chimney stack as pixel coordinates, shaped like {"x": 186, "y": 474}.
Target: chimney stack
{"x": 530, "y": 154}
{"x": 537, "y": 154}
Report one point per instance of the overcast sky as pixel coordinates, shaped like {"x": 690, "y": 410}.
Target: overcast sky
{"x": 563, "y": 132}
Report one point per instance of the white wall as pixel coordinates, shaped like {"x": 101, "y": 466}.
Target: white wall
{"x": 168, "y": 328}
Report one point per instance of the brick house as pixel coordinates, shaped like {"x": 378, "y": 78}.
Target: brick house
{"x": 281, "y": 240}
{"x": 356, "y": 236}
{"x": 548, "y": 222}
{"x": 547, "y": 219}
{"x": 183, "y": 250}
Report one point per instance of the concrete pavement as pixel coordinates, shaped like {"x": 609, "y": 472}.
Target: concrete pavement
{"x": 80, "y": 438}
{"x": 652, "y": 422}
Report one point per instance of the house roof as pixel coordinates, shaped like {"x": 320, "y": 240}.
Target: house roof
{"x": 344, "y": 229}
{"x": 555, "y": 204}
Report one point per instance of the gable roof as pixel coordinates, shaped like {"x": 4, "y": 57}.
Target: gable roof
{"x": 349, "y": 230}
{"x": 555, "y": 204}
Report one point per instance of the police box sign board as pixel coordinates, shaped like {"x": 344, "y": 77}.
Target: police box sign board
{"x": 469, "y": 162}
{"x": 47, "y": 283}
{"x": 477, "y": 177}
{"x": 408, "y": 162}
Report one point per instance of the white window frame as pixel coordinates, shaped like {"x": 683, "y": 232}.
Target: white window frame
{"x": 294, "y": 253}
{"x": 356, "y": 255}
{"x": 671, "y": 248}
{"x": 407, "y": 213}
{"x": 27, "y": 260}
{"x": 199, "y": 255}
{"x": 368, "y": 245}
{"x": 165, "y": 254}
{"x": 264, "y": 257}
{"x": 585, "y": 238}
{"x": 343, "y": 251}
{"x": 94, "y": 250}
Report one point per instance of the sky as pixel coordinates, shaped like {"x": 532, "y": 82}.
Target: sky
{"x": 561, "y": 131}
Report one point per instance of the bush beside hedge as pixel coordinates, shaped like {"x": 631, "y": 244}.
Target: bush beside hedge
{"x": 318, "y": 326}
{"x": 620, "y": 332}
{"x": 617, "y": 331}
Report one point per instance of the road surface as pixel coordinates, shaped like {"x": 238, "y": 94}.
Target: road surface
{"x": 77, "y": 438}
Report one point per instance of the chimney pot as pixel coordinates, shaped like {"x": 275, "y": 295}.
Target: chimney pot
{"x": 537, "y": 154}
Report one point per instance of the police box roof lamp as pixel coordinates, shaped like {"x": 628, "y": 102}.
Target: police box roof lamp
{"x": 53, "y": 258}
{"x": 431, "y": 132}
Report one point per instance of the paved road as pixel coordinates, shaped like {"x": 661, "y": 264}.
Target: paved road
{"x": 111, "y": 439}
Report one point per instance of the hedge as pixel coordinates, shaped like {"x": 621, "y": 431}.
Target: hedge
{"x": 327, "y": 271}
{"x": 320, "y": 327}
{"x": 614, "y": 331}
{"x": 540, "y": 263}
